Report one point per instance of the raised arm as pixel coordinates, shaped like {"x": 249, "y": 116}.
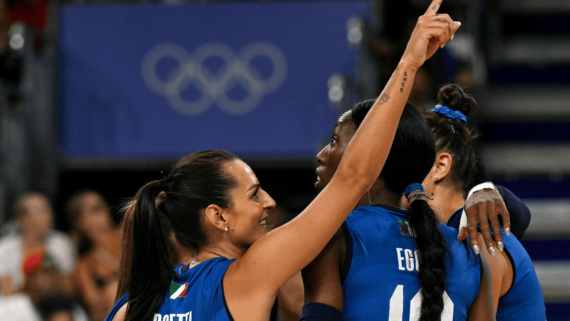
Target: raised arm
{"x": 276, "y": 257}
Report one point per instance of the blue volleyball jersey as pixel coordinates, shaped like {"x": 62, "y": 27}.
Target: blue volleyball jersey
{"x": 524, "y": 301}
{"x": 193, "y": 294}
{"x": 380, "y": 272}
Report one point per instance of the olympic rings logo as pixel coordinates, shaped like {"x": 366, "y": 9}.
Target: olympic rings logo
{"x": 214, "y": 86}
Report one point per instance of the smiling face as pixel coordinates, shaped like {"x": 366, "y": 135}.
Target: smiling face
{"x": 247, "y": 216}
{"x": 329, "y": 157}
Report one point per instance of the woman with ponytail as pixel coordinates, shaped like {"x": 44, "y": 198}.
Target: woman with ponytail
{"x": 209, "y": 216}
{"x": 516, "y": 291}
{"x": 386, "y": 263}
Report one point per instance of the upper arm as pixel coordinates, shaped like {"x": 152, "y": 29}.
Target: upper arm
{"x": 518, "y": 211}
{"x": 483, "y": 308}
{"x": 321, "y": 277}
{"x": 290, "y": 299}
{"x": 495, "y": 269}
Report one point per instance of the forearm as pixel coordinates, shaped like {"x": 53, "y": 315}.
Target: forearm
{"x": 367, "y": 152}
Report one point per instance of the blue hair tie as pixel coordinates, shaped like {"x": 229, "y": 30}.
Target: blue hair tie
{"x": 414, "y": 192}
{"x": 450, "y": 113}
{"x": 413, "y": 187}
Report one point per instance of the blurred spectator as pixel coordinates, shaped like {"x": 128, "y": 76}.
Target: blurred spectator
{"x": 34, "y": 215}
{"x": 44, "y": 283}
{"x": 99, "y": 242}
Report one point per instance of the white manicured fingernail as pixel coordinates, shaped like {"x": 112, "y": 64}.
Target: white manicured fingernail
{"x": 492, "y": 250}
{"x": 508, "y": 231}
{"x": 476, "y": 249}
{"x": 500, "y": 245}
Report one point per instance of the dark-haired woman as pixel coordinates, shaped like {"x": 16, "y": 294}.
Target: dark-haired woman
{"x": 516, "y": 291}
{"x": 454, "y": 139}
{"x": 387, "y": 263}
{"x": 217, "y": 211}
{"x": 98, "y": 240}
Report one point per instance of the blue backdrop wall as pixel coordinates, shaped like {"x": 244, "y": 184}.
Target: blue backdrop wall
{"x": 164, "y": 81}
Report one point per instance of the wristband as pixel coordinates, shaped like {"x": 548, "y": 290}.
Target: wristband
{"x": 480, "y": 187}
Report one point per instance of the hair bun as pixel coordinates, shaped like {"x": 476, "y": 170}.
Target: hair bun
{"x": 455, "y": 98}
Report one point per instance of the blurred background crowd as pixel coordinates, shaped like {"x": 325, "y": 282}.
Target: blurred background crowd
{"x": 60, "y": 203}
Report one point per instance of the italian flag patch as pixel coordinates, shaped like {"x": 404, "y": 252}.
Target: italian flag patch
{"x": 178, "y": 290}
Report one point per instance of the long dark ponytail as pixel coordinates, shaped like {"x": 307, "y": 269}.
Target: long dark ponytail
{"x": 175, "y": 205}
{"x": 432, "y": 250}
{"x": 151, "y": 267}
{"x": 411, "y": 157}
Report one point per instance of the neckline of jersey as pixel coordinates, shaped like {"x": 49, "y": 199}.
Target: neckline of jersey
{"x": 395, "y": 210}
{"x": 184, "y": 268}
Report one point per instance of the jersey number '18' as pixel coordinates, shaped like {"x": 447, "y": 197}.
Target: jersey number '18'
{"x": 397, "y": 306}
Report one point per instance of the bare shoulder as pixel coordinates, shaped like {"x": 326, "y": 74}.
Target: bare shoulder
{"x": 120, "y": 316}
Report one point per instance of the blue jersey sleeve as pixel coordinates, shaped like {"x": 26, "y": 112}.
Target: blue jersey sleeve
{"x": 518, "y": 211}
{"x": 320, "y": 312}
{"x": 122, "y": 301}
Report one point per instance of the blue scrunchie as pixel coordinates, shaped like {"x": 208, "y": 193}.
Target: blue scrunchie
{"x": 449, "y": 113}
{"x": 413, "y": 187}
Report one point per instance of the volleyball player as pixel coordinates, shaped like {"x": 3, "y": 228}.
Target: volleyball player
{"x": 387, "y": 263}
{"x": 516, "y": 291}
{"x": 217, "y": 210}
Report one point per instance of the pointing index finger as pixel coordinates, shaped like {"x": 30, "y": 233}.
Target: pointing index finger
{"x": 433, "y": 8}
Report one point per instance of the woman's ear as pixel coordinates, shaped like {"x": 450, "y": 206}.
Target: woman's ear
{"x": 442, "y": 166}
{"x": 216, "y": 217}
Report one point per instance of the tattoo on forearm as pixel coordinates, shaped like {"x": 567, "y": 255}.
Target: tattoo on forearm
{"x": 384, "y": 99}
{"x": 404, "y": 81}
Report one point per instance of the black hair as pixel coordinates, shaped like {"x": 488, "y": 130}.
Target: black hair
{"x": 51, "y": 305}
{"x": 410, "y": 160}
{"x": 73, "y": 207}
{"x": 172, "y": 204}
{"x": 455, "y": 137}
